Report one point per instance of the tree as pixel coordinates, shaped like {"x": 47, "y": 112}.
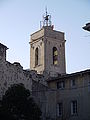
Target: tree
{"x": 17, "y": 104}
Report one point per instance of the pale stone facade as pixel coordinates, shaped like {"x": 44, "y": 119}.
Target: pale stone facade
{"x": 45, "y": 40}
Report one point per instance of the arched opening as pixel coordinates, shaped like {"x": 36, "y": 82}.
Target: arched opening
{"x": 55, "y": 56}
{"x": 36, "y": 56}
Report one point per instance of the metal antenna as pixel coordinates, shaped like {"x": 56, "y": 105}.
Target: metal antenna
{"x": 46, "y": 19}
{"x": 46, "y": 10}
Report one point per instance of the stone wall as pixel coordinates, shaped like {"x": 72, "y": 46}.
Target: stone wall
{"x": 13, "y": 74}
{"x": 45, "y": 39}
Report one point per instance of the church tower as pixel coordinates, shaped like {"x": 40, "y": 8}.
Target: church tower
{"x": 47, "y": 49}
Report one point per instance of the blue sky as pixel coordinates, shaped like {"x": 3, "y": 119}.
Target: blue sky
{"x": 20, "y": 18}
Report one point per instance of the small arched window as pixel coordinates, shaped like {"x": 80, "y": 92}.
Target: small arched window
{"x": 55, "y": 56}
{"x": 36, "y": 56}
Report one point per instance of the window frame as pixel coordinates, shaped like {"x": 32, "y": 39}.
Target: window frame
{"x": 61, "y": 85}
{"x": 36, "y": 56}
{"x": 59, "y": 109}
{"x": 55, "y": 56}
{"x": 73, "y": 83}
{"x": 74, "y": 105}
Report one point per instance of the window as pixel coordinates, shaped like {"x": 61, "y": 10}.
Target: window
{"x": 59, "y": 109}
{"x": 55, "y": 56}
{"x": 73, "y": 83}
{"x": 36, "y": 56}
{"x": 74, "y": 107}
{"x": 61, "y": 85}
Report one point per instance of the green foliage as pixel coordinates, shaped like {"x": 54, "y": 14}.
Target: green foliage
{"x": 17, "y": 104}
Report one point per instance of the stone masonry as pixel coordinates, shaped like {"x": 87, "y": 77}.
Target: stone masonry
{"x": 45, "y": 40}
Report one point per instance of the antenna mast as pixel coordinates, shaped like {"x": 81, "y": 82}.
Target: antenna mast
{"x": 46, "y": 19}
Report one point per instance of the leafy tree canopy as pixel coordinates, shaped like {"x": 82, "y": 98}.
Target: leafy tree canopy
{"x": 17, "y": 104}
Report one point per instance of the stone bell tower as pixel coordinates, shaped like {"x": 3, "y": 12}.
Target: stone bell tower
{"x": 47, "y": 49}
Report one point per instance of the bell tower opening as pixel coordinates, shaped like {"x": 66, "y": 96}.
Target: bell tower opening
{"x": 55, "y": 56}
{"x": 36, "y": 57}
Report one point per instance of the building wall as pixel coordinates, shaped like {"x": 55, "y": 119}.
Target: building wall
{"x": 80, "y": 93}
{"x": 45, "y": 39}
{"x": 54, "y": 39}
{"x": 13, "y": 73}
{"x": 40, "y": 96}
{"x": 37, "y": 42}
{"x": 3, "y": 49}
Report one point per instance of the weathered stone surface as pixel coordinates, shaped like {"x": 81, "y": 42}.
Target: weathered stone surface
{"x": 45, "y": 39}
